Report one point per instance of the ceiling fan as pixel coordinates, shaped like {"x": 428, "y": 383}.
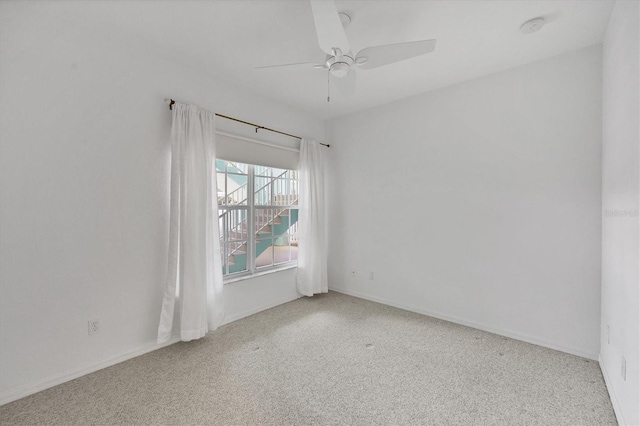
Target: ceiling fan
{"x": 340, "y": 62}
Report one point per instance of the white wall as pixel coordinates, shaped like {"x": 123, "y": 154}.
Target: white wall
{"x": 84, "y": 191}
{"x": 620, "y": 203}
{"x": 479, "y": 203}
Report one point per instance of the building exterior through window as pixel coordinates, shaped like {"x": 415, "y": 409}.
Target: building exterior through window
{"x": 257, "y": 217}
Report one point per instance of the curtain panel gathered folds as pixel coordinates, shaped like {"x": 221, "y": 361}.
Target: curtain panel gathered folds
{"x": 312, "y": 252}
{"x": 193, "y": 293}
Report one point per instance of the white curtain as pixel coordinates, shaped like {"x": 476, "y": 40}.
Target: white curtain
{"x": 312, "y": 256}
{"x": 194, "y": 277}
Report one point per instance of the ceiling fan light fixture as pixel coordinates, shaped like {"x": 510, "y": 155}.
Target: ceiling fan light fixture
{"x": 339, "y": 69}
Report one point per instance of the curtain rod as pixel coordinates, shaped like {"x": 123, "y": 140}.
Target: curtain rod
{"x": 257, "y": 126}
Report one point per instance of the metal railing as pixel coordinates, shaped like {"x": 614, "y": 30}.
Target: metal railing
{"x": 240, "y": 192}
{"x": 279, "y": 191}
{"x": 232, "y": 229}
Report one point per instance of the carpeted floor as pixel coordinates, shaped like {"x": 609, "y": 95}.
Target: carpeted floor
{"x": 333, "y": 360}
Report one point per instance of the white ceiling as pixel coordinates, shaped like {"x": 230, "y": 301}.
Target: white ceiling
{"x": 229, "y": 38}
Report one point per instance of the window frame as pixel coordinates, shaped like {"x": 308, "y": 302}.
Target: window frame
{"x": 251, "y": 208}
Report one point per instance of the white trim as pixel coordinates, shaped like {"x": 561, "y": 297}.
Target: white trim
{"x": 617, "y": 409}
{"x": 258, "y": 141}
{"x": 472, "y": 324}
{"x": 248, "y": 276}
{"x": 27, "y": 390}
{"x": 261, "y": 308}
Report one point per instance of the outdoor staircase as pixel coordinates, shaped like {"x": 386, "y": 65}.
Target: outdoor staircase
{"x": 279, "y": 223}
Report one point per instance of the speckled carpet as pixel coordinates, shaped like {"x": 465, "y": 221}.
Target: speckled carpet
{"x": 333, "y": 360}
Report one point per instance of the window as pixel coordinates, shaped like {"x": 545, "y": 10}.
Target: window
{"x": 258, "y": 217}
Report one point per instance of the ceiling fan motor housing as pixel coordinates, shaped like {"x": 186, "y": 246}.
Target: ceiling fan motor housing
{"x": 339, "y": 64}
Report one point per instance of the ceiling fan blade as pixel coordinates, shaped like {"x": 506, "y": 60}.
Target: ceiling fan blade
{"x": 297, "y": 64}
{"x": 378, "y": 56}
{"x": 328, "y": 26}
{"x": 346, "y": 85}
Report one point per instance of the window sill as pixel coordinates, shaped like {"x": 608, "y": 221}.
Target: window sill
{"x": 259, "y": 274}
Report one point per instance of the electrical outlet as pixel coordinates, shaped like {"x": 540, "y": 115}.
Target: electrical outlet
{"x": 623, "y": 370}
{"x": 353, "y": 274}
{"x": 94, "y": 326}
{"x": 371, "y": 276}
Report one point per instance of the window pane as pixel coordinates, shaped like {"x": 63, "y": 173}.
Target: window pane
{"x": 238, "y": 168}
{"x": 285, "y": 191}
{"x": 262, "y": 191}
{"x": 264, "y": 252}
{"x": 231, "y": 182}
{"x": 237, "y": 189}
{"x": 276, "y": 236}
{"x": 236, "y": 257}
{"x": 286, "y": 236}
{"x": 263, "y": 220}
{"x": 275, "y": 187}
{"x": 222, "y": 215}
{"x": 275, "y": 172}
{"x": 233, "y": 239}
{"x": 263, "y": 171}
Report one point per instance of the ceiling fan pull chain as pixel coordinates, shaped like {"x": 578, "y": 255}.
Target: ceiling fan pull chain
{"x": 329, "y": 86}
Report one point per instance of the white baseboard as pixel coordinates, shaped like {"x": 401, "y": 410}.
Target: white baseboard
{"x": 612, "y": 394}
{"x": 62, "y": 378}
{"x": 27, "y": 390}
{"x": 236, "y": 317}
{"x": 472, "y": 324}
